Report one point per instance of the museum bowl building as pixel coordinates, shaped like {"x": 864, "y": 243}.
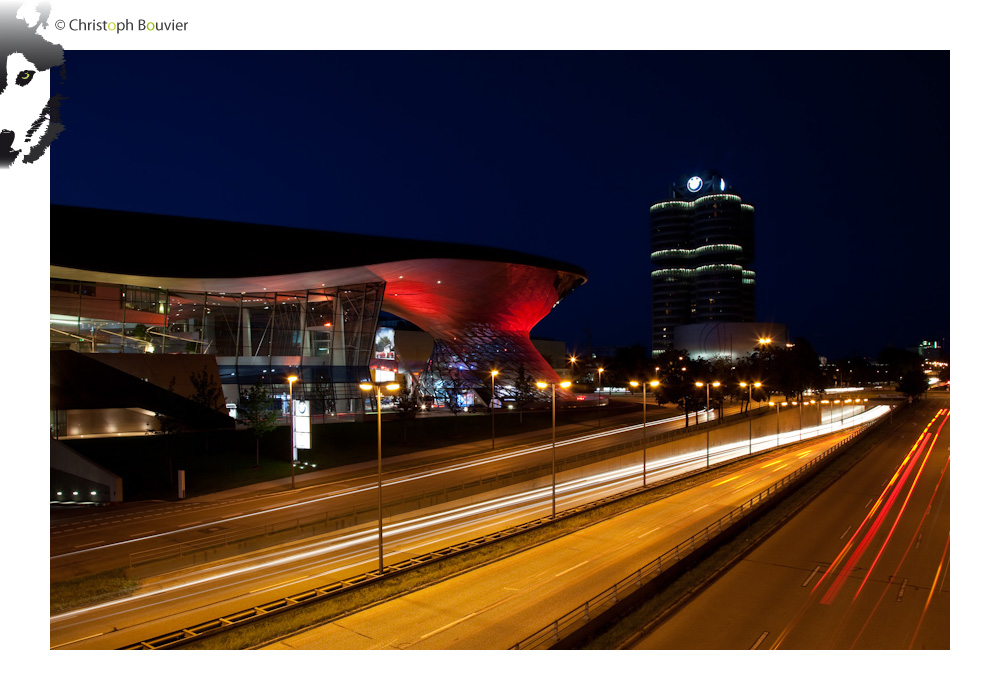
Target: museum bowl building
{"x": 149, "y": 314}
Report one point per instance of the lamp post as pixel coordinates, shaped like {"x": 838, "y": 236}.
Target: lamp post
{"x": 388, "y": 386}
{"x": 708, "y": 428}
{"x": 544, "y": 385}
{"x": 652, "y": 383}
{"x": 493, "y": 398}
{"x": 777, "y": 421}
{"x": 291, "y": 425}
{"x": 756, "y": 385}
{"x": 600, "y": 372}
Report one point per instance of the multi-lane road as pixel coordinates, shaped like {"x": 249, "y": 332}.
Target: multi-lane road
{"x": 193, "y": 595}
{"x": 865, "y": 566}
{"x": 500, "y": 604}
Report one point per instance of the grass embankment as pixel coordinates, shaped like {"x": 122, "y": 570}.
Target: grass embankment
{"x": 89, "y": 589}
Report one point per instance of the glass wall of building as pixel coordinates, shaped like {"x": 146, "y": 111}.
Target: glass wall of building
{"x": 322, "y": 336}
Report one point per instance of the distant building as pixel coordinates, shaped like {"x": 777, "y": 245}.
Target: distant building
{"x": 733, "y": 340}
{"x": 702, "y": 242}
{"x": 931, "y": 350}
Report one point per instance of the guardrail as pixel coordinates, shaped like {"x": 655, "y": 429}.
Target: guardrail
{"x": 181, "y": 637}
{"x": 610, "y": 597}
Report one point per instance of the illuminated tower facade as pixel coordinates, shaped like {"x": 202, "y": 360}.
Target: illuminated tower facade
{"x": 702, "y": 253}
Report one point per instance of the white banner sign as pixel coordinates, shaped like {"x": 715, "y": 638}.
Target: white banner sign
{"x": 301, "y": 423}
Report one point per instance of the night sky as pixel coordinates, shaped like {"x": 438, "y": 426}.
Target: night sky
{"x": 844, "y": 156}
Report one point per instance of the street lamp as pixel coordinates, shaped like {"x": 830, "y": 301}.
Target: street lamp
{"x": 493, "y": 398}
{"x": 291, "y": 425}
{"x": 756, "y": 385}
{"x": 777, "y": 421}
{"x": 388, "y": 386}
{"x": 600, "y": 371}
{"x": 544, "y": 385}
{"x": 652, "y": 383}
{"x": 707, "y": 426}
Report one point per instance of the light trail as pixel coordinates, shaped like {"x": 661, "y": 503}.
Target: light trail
{"x": 914, "y": 539}
{"x": 902, "y": 508}
{"x": 859, "y": 542}
{"x": 386, "y": 482}
{"x": 440, "y": 526}
{"x": 930, "y": 593}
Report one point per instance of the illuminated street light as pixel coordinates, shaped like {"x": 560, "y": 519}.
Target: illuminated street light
{"x": 653, "y": 383}
{"x": 756, "y": 385}
{"x": 291, "y": 425}
{"x": 600, "y": 371}
{"x": 388, "y": 386}
{"x": 777, "y": 421}
{"x": 564, "y": 385}
{"x": 493, "y": 397}
{"x": 707, "y": 426}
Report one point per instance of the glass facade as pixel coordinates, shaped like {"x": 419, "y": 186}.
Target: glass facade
{"x": 323, "y": 336}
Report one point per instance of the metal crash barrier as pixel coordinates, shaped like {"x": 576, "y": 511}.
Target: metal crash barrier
{"x": 584, "y": 614}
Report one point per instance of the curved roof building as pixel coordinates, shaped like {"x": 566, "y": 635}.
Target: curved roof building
{"x": 268, "y": 301}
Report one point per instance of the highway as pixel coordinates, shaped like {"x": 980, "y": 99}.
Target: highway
{"x": 501, "y": 603}
{"x": 193, "y": 595}
{"x": 865, "y": 566}
{"x": 101, "y": 541}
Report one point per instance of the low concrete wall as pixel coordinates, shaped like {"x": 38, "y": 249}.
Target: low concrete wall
{"x": 64, "y": 460}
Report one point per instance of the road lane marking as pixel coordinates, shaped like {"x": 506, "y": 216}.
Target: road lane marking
{"x": 571, "y": 568}
{"x": 143, "y": 534}
{"x": 647, "y": 533}
{"x": 845, "y": 533}
{"x": 814, "y": 571}
{"x": 467, "y": 617}
{"x": 759, "y": 640}
{"x": 700, "y": 507}
{"x": 870, "y": 501}
{"x": 279, "y": 585}
{"x": 899, "y": 596}
{"x": 64, "y": 644}
{"x": 91, "y": 544}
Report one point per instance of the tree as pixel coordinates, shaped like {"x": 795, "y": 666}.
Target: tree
{"x": 796, "y": 369}
{"x": 407, "y": 405}
{"x": 207, "y": 390}
{"x": 257, "y": 412}
{"x": 524, "y": 392}
{"x": 453, "y": 389}
{"x": 898, "y": 362}
{"x": 677, "y": 393}
{"x": 913, "y": 383}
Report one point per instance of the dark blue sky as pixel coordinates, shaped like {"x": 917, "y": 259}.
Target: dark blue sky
{"x": 844, "y": 155}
